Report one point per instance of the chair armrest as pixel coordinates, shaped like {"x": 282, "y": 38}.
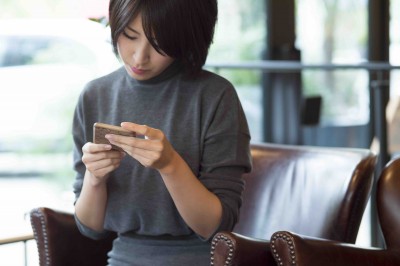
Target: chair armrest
{"x": 59, "y": 241}
{"x": 228, "y": 248}
{"x": 297, "y": 250}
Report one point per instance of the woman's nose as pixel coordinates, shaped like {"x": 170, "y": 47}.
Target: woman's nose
{"x": 142, "y": 53}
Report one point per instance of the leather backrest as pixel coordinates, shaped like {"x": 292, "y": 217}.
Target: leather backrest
{"x": 60, "y": 243}
{"x": 388, "y": 203}
{"x": 315, "y": 191}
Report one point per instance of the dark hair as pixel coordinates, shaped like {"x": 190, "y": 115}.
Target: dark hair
{"x": 181, "y": 29}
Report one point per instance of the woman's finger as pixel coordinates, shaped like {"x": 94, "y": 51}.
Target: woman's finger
{"x": 96, "y": 165}
{"x": 149, "y": 132}
{"x": 90, "y": 147}
{"x": 92, "y": 157}
{"x": 128, "y": 143}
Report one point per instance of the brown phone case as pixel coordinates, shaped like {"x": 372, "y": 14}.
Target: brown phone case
{"x": 101, "y": 129}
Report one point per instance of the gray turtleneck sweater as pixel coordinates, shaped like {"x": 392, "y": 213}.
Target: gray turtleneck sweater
{"x": 203, "y": 120}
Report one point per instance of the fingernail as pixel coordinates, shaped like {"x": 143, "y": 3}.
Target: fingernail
{"x": 107, "y": 147}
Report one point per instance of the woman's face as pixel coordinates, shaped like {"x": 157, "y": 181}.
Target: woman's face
{"x": 140, "y": 59}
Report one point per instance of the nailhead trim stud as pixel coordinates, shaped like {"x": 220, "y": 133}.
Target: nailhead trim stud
{"x": 228, "y": 242}
{"x": 288, "y": 239}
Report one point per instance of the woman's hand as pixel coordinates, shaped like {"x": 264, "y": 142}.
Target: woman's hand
{"x": 100, "y": 160}
{"x": 153, "y": 151}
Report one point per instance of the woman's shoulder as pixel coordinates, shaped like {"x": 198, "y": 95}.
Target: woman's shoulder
{"x": 207, "y": 76}
{"x": 214, "y": 85}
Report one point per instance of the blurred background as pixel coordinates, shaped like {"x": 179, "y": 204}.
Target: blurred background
{"x": 49, "y": 49}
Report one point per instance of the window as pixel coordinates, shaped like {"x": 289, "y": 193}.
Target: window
{"x": 44, "y": 65}
{"x": 327, "y": 37}
{"x": 30, "y": 50}
{"x": 395, "y": 46}
{"x": 240, "y": 36}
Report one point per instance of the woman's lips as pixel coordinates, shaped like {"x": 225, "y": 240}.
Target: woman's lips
{"x": 138, "y": 71}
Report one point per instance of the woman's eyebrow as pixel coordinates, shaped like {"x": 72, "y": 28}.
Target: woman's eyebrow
{"x": 133, "y": 30}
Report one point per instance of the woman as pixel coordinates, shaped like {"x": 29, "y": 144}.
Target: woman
{"x": 179, "y": 181}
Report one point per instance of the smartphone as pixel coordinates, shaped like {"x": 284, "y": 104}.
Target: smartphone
{"x": 101, "y": 129}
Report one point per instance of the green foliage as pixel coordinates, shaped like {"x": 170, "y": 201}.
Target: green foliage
{"x": 101, "y": 20}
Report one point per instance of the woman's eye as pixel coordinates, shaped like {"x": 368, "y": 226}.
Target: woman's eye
{"x": 128, "y": 36}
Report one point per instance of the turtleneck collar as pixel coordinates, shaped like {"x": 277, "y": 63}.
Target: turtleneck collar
{"x": 170, "y": 71}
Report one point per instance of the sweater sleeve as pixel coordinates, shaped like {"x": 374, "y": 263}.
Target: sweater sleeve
{"x": 79, "y": 137}
{"x": 90, "y": 233}
{"x": 226, "y": 156}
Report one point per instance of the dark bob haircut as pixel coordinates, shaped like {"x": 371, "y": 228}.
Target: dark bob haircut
{"x": 181, "y": 29}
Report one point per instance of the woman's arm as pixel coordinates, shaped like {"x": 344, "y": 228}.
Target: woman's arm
{"x": 200, "y": 208}
{"x": 90, "y": 207}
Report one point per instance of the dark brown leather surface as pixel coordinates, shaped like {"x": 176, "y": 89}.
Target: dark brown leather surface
{"x": 240, "y": 250}
{"x": 296, "y": 250}
{"x": 388, "y": 203}
{"x": 293, "y": 249}
{"x": 315, "y": 191}
{"x": 61, "y": 244}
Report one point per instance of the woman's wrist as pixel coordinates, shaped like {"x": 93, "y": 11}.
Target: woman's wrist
{"x": 171, "y": 167}
{"x": 95, "y": 181}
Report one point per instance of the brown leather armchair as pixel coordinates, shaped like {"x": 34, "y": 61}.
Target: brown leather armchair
{"x": 315, "y": 191}
{"x": 296, "y": 250}
{"x": 60, "y": 243}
